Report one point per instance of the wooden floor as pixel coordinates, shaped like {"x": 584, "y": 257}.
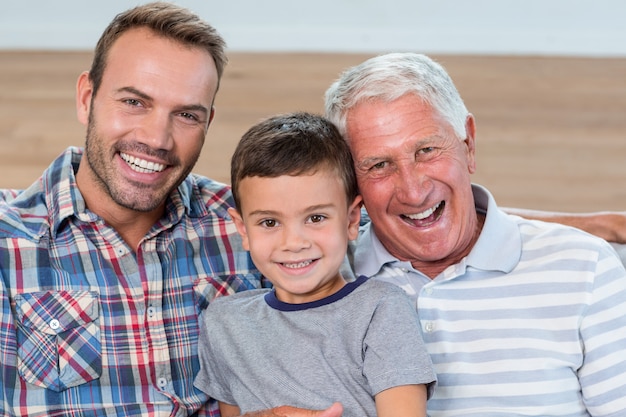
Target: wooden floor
{"x": 551, "y": 131}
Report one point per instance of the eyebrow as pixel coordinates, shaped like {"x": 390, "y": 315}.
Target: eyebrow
{"x": 141, "y": 94}
{"x": 196, "y": 107}
{"x": 317, "y": 207}
{"x": 372, "y": 160}
{"x": 135, "y": 92}
{"x": 263, "y": 213}
{"x": 320, "y": 207}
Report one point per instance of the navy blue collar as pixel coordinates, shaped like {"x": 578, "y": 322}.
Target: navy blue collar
{"x": 272, "y": 301}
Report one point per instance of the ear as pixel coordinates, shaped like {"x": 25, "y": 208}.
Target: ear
{"x": 470, "y": 142}
{"x": 212, "y": 115}
{"x": 354, "y": 217}
{"x": 241, "y": 227}
{"x": 84, "y": 92}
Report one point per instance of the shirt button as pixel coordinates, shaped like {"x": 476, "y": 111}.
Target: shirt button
{"x": 54, "y": 324}
{"x": 428, "y": 291}
{"x": 162, "y": 383}
{"x": 151, "y": 312}
{"x": 429, "y": 327}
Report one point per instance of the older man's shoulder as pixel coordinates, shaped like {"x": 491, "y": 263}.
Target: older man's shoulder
{"x": 552, "y": 233}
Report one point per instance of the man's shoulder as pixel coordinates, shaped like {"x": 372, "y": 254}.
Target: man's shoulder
{"x": 22, "y": 214}
{"x": 25, "y": 213}
{"x": 558, "y": 237}
{"x": 211, "y": 194}
{"x": 537, "y": 229}
{"x": 8, "y": 194}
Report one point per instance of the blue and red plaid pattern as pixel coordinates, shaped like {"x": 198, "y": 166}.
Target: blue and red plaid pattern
{"x": 91, "y": 327}
{"x": 58, "y": 341}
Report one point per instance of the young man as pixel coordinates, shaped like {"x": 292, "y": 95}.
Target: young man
{"x": 314, "y": 339}
{"x": 108, "y": 259}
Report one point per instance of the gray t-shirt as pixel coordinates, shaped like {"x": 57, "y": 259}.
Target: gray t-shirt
{"x": 258, "y": 352}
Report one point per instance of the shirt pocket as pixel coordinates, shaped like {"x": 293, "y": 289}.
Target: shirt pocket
{"x": 58, "y": 338}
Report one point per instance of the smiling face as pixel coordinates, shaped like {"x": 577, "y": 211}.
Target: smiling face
{"x": 147, "y": 123}
{"x": 414, "y": 176}
{"x": 297, "y": 230}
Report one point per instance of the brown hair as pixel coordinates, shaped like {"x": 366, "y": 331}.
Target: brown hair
{"x": 165, "y": 19}
{"x": 292, "y": 144}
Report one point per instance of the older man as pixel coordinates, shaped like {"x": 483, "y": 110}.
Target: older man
{"x": 521, "y": 317}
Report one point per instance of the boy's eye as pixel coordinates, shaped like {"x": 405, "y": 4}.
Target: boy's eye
{"x": 269, "y": 223}
{"x": 316, "y": 218}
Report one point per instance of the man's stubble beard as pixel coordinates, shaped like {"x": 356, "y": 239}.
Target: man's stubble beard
{"x": 135, "y": 200}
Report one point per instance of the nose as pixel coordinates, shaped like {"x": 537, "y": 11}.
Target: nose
{"x": 295, "y": 238}
{"x": 411, "y": 184}
{"x": 156, "y": 130}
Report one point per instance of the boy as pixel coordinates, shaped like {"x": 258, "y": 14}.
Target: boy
{"x": 314, "y": 339}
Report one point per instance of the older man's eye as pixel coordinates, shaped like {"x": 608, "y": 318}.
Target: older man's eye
{"x": 428, "y": 149}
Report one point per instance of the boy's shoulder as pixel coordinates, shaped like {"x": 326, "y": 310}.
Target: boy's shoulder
{"x": 237, "y": 300}
{"x": 380, "y": 287}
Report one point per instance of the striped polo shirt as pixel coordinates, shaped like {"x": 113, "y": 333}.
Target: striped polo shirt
{"x": 531, "y": 323}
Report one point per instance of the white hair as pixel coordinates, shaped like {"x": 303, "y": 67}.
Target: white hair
{"x": 391, "y": 76}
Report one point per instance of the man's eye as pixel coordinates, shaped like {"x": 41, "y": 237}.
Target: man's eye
{"x": 426, "y": 150}
{"x": 189, "y": 116}
{"x": 379, "y": 165}
{"x": 379, "y": 169}
{"x": 132, "y": 102}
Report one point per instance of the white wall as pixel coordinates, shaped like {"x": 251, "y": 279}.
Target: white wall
{"x": 551, "y": 27}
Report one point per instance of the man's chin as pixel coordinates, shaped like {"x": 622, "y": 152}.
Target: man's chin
{"x": 139, "y": 201}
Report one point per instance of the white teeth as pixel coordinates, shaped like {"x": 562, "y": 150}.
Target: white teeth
{"x": 297, "y": 265}
{"x": 141, "y": 165}
{"x": 423, "y": 214}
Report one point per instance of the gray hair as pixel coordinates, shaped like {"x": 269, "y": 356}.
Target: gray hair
{"x": 391, "y": 76}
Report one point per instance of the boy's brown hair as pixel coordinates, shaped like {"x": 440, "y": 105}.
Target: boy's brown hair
{"x": 292, "y": 144}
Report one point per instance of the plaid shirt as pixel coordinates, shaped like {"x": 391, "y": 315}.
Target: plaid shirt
{"x": 90, "y": 327}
